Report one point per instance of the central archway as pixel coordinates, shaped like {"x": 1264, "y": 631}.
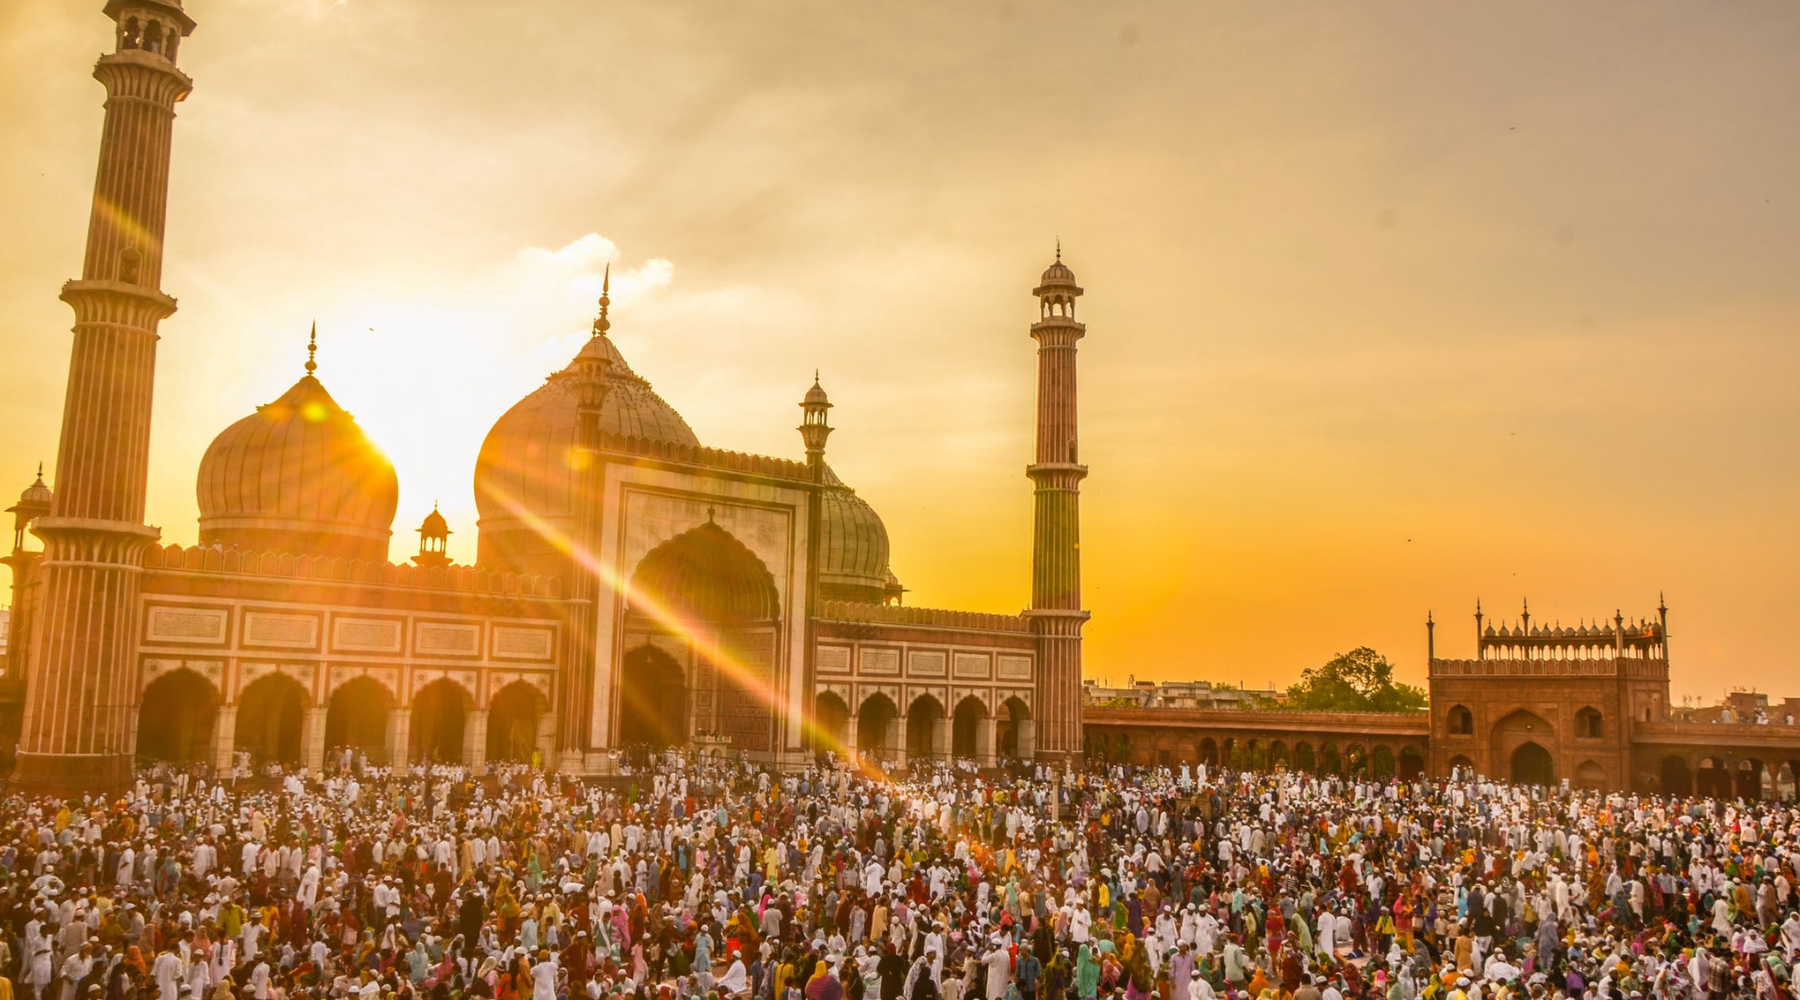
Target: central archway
{"x": 653, "y": 700}
{"x": 707, "y": 589}
{"x": 1532, "y": 765}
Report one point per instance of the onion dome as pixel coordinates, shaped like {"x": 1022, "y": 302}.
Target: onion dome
{"x": 33, "y": 504}
{"x": 299, "y": 476}
{"x": 1057, "y": 277}
{"x": 525, "y": 474}
{"x": 434, "y": 525}
{"x": 853, "y": 560}
{"x": 37, "y": 495}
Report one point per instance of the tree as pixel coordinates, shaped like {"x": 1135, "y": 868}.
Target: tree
{"x": 1361, "y": 680}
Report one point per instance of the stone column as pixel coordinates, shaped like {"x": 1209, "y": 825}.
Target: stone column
{"x": 474, "y": 751}
{"x": 940, "y": 738}
{"x": 848, "y": 750}
{"x": 224, "y": 741}
{"x": 1027, "y": 735}
{"x": 546, "y": 743}
{"x": 984, "y": 741}
{"x": 398, "y": 737}
{"x": 312, "y": 738}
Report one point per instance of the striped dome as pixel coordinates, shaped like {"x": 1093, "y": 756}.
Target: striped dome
{"x": 298, "y": 475}
{"x": 853, "y": 565}
{"x": 525, "y": 471}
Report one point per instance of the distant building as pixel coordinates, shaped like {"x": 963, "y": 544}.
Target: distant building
{"x": 1539, "y": 703}
{"x": 1179, "y": 694}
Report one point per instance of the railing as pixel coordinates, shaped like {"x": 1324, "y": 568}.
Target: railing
{"x": 285, "y": 565}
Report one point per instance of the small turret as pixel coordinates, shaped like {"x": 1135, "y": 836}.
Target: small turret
{"x": 33, "y": 504}
{"x": 434, "y": 540}
{"x": 814, "y": 425}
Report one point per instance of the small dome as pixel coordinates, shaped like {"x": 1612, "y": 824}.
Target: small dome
{"x": 853, "y": 563}
{"x": 37, "y": 494}
{"x": 1057, "y": 274}
{"x": 526, "y": 469}
{"x": 434, "y": 525}
{"x": 298, "y": 475}
{"x": 816, "y": 395}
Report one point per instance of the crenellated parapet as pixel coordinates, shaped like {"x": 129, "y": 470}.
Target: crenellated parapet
{"x": 463, "y": 579}
{"x": 1628, "y": 667}
{"x": 894, "y": 614}
{"x": 711, "y": 458}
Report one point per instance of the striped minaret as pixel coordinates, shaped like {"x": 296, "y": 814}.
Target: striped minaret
{"x": 81, "y": 684}
{"x": 1056, "y": 614}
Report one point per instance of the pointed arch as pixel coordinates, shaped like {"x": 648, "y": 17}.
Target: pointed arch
{"x": 515, "y": 714}
{"x": 176, "y": 718}
{"x": 704, "y": 574}
{"x": 271, "y": 713}
{"x": 357, "y": 717}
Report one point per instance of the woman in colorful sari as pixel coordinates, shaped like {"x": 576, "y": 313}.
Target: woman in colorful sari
{"x": 823, "y": 985}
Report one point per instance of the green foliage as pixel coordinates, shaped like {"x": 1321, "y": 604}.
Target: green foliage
{"x": 1361, "y": 680}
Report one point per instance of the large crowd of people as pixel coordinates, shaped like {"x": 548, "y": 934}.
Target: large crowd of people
{"x": 708, "y": 879}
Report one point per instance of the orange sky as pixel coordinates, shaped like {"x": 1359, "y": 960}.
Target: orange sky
{"x": 1390, "y": 306}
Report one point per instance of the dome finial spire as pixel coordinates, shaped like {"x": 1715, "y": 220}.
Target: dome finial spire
{"x": 312, "y": 348}
{"x": 601, "y": 323}
{"x": 1059, "y": 249}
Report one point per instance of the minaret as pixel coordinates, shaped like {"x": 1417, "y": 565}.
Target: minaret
{"x": 1056, "y": 614}
{"x": 575, "y": 683}
{"x": 815, "y": 427}
{"x": 82, "y": 682}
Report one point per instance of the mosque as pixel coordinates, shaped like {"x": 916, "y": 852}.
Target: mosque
{"x": 632, "y": 585}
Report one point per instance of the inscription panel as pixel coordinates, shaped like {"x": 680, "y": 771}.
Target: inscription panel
{"x": 515, "y": 643}
{"x": 374, "y": 635}
{"x": 168, "y": 624}
{"x": 973, "y": 666}
{"x": 445, "y": 639}
{"x": 294, "y": 631}
{"x": 833, "y": 659}
{"x": 881, "y": 662}
{"x": 925, "y": 663}
{"x": 1015, "y": 668}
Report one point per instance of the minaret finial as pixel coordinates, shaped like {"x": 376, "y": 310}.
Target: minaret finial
{"x": 1059, "y": 249}
{"x": 312, "y": 348}
{"x": 601, "y": 323}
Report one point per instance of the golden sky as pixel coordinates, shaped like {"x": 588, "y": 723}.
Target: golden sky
{"x": 1391, "y": 305}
